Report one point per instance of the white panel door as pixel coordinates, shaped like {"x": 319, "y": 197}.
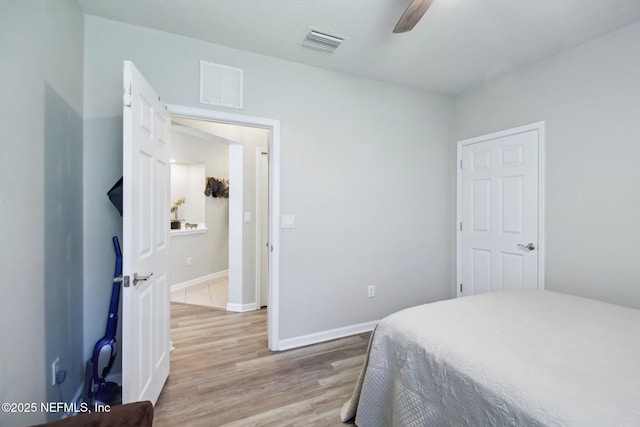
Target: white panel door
{"x": 145, "y": 297}
{"x": 499, "y": 212}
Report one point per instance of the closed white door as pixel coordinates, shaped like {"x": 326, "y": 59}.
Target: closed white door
{"x": 145, "y": 296}
{"x": 499, "y": 201}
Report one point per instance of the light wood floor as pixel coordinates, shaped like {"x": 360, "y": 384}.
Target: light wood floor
{"x": 222, "y": 374}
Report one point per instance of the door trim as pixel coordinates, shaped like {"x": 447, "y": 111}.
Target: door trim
{"x": 540, "y": 128}
{"x": 274, "y": 200}
{"x": 259, "y": 213}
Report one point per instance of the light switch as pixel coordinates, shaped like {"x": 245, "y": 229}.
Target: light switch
{"x": 247, "y": 217}
{"x": 288, "y": 221}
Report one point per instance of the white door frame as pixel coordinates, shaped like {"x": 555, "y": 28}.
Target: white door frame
{"x": 540, "y": 128}
{"x": 274, "y": 199}
{"x": 259, "y": 214}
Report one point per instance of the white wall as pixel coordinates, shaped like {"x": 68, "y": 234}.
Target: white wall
{"x": 590, "y": 99}
{"x": 40, "y": 202}
{"x": 187, "y": 181}
{"x": 364, "y": 167}
{"x": 209, "y": 251}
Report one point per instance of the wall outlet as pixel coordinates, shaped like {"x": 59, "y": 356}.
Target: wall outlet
{"x": 189, "y": 260}
{"x": 61, "y": 376}
{"x": 55, "y": 367}
{"x": 371, "y": 291}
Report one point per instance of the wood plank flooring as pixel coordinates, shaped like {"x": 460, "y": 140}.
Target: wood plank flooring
{"x": 222, "y": 374}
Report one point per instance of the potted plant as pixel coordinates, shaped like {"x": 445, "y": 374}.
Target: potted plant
{"x": 175, "y": 222}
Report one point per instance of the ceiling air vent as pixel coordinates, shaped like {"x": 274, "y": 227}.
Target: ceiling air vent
{"x": 322, "y": 40}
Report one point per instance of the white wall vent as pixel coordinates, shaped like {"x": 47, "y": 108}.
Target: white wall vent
{"x": 322, "y": 40}
{"x": 220, "y": 85}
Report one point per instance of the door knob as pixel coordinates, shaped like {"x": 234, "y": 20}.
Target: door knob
{"x": 137, "y": 278}
{"x": 529, "y": 246}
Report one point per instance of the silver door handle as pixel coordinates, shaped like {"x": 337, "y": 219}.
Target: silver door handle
{"x": 137, "y": 278}
{"x": 530, "y": 246}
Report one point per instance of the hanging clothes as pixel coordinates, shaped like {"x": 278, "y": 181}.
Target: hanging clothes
{"x": 217, "y": 187}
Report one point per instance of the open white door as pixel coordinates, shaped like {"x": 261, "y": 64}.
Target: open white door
{"x": 145, "y": 251}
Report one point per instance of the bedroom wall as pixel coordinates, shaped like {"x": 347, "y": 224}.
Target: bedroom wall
{"x": 40, "y": 203}
{"x": 362, "y": 167}
{"x": 590, "y": 99}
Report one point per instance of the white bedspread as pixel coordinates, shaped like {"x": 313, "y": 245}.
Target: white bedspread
{"x": 516, "y": 358}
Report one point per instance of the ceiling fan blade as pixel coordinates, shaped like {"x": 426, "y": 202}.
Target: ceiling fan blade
{"x": 412, "y": 15}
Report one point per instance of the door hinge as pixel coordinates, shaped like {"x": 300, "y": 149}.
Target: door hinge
{"x": 460, "y": 225}
{"x": 460, "y": 164}
{"x": 127, "y": 97}
{"x": 460, "y": 287}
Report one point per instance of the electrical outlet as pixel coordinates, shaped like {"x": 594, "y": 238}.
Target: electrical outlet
{"x": 189, "y": 260}
{"x": 55, "y": 367}
{"x": 371, "y": 291}
{"x": 61, "y": 376}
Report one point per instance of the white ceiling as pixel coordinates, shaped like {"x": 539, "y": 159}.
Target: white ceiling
{"x": 457, "y": 45}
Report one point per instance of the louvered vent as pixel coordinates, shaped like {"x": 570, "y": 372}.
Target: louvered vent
{"x": 322, "y": 40}
{"x": 220, "y": 85}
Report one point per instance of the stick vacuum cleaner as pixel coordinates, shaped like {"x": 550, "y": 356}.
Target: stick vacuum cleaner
{"x": 97, "y": 389}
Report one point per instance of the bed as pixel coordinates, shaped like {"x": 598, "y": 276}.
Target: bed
{"x": 513, "y": 358}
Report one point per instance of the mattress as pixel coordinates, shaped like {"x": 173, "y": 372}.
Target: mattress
{"x": 514, "y": 358}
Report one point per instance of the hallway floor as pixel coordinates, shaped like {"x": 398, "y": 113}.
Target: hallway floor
{"x": 212, "y": 293}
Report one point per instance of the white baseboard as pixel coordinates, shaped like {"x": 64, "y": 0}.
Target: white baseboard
{"x": 329, "y": 335}
{"x": 242, "y": 307}
{"x": 199, "y": 280}
{"x": 114, "y": 378}
{"x": 75, "y": 402}
{"x": 79, "y": 395}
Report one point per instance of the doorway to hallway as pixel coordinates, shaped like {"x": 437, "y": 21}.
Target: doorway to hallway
{"x": 243, "y": 291}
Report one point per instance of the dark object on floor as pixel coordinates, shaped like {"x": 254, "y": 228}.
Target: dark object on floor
{"x": 136, "y": 414}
